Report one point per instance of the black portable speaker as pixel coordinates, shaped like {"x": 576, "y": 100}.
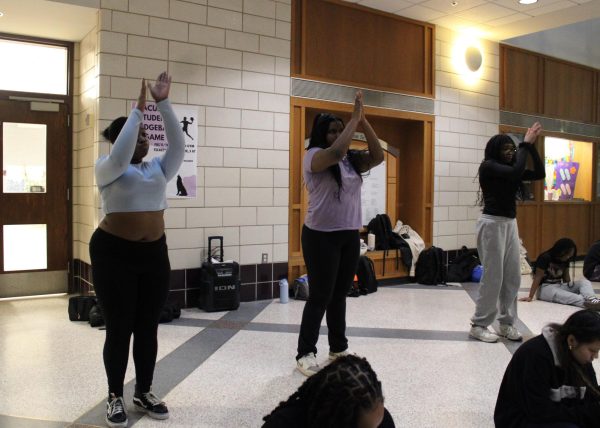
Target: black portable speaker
{"x": 220, "y": 282}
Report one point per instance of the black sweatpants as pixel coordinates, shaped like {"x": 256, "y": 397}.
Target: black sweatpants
{"x": 331, "y": 259}
{"x": 131, "y": 280}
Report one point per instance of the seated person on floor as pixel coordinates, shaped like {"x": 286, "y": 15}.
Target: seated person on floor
{"x": 550, "y": 381}
{"x": 346, "y": 393}
{"x": 591, "y": 264}
{"x": 552, "y": 282}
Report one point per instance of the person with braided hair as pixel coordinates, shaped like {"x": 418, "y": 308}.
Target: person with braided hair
{"x": 345, "y": 393}
{"x": 550, "y": 381}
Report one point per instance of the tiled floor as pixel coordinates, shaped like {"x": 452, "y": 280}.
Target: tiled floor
{"x": 230, "y": 369}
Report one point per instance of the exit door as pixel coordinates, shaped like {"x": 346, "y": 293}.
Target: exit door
{"x": 35, "y": 221}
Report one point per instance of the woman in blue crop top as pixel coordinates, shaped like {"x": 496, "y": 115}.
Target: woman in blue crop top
{"x": 128, "y": 250}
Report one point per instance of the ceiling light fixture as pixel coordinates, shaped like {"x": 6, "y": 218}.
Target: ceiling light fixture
{"x": 1, "y": 14}
{"x": 528, "y": 1}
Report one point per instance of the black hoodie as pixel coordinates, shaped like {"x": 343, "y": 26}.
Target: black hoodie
{"x": 533, "y": 389}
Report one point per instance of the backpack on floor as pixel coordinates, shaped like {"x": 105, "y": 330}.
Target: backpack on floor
{"x": 430, "y": 269}
{"x": 169, "y": 312}
{"x": 367, "y": 282}
{"x": 96, "y": 317}
{"x": 381, "y": 227}
{"x": 79, "y": 307}
{"x": 301, "y": 288}
{"x": 462, "y": 267}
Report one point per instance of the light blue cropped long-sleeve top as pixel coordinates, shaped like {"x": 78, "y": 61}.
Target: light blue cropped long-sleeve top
{"x": 127, "y": 187}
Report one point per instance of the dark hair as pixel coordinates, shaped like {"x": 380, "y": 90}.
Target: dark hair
{"x": 114, "y": 129}
{"x": 493, "y": 150}
{"x": 338, "y": 394}
{"x": 318, "y": 138}
{"x": 561, "y": 247}
{"x": 584, "y": 325}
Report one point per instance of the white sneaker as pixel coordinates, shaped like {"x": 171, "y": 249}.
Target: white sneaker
{"x": 307, "y": 365}
{"x": 482, "y": 333}
{"x": 510, "y": 332}
{"x": 592, "y": 303}
{"x": 335, "y": 355}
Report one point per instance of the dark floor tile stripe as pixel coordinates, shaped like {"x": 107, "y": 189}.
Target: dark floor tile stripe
{"x": 17, "y": 422}
{"x": 378, "y": 333}
{"x": 181, "y": 362}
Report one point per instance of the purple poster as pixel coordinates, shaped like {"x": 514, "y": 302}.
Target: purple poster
{"x": 566, "y": 176}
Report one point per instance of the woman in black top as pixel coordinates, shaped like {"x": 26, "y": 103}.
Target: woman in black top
{"x": 344, "y": 394}
{"x": 552, "y": 282}
{"x": 500, "y": 175}
{"x": 550, "y": 381}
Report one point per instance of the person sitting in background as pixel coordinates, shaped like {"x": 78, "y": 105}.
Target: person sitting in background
{"x": 552, "y": 281}
{"x": 345, "y": 393}
{"x": 591, "y": 264}
{"x": 550, "y": 381}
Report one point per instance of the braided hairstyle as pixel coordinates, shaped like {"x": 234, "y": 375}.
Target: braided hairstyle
{"x": 337, "y": 395}
{"x": 318, "y": 138}
{"x": 493, "y": 150}
{"x": 584, "y": 325}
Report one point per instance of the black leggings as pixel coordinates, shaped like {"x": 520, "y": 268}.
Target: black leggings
{"x": 131, "y": 280}
{"x": 331, "y": 259}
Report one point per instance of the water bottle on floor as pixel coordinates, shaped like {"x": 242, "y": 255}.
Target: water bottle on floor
{"x": 284, "y": 292}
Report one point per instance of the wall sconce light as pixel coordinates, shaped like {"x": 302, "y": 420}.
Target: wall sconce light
{"x": 473, "y": 58}
{"x": 467, "y": 58}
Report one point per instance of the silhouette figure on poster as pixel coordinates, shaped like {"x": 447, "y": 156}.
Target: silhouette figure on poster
{"x": 185, "y": 123}
{"x": 180, "y": 187}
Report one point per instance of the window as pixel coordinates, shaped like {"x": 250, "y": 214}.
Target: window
{"x": 21, "y": 64}
{"x": 568, "y": 166}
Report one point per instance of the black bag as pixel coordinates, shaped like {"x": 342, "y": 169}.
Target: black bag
{"x": 430, "y": 269}
{"x": 96, "y": 317}
{"x": 462, "y": 267}
{"x": 367, "y": 282}
{"x": 79, "y": 307}
{"x": 301, "y": 288}
{"x": 169, "y": 312}
{"x": 381, "y": 227}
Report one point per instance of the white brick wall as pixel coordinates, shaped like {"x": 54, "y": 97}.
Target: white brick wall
{"x": 467, "y": 116}
{"x": 231, "y": 59}
{"x": 86, "y": 147}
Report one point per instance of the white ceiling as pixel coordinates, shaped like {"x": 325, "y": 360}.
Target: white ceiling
{"x": 60, "y": 20}
{"x": 575, "y": 42}
{"x": 492, "y": 19}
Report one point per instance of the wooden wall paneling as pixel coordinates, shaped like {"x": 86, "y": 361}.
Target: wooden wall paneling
{"x": 595, "y": 223}
{"x": 528, "y": 223}
{"x": 519, "y": 80}
{"x": 296, "y": 45}
{"x": 568, "y": 219}
{"x": 568, "y": 91}
{"x": 351, "y": 52}
{"x": 296, "y": 214}
{"x": 392, "y": 187}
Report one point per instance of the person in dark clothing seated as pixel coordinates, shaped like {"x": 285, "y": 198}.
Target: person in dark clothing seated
{"x": 550, "y": 381}
{"x": 591, "y": 264}
{"x": 344, "y": 394}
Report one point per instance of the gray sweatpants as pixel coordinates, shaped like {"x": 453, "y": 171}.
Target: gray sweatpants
{"x": 575, "y": 294}
{"x": 498, "y": 246}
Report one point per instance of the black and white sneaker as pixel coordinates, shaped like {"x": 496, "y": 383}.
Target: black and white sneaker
{"x": 152, "y": 405}
{"x": 116, "y": 413}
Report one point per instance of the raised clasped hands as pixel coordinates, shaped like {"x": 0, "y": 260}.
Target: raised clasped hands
{"x": 160, "y": 89}
{"x": 532, "y": 133}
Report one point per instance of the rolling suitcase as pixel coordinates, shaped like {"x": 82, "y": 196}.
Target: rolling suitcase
{"x": 220, "y": 282}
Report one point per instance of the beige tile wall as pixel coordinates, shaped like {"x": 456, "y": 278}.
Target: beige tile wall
{"x": 467, "y": 115}
{"x": 231, "y": 58}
